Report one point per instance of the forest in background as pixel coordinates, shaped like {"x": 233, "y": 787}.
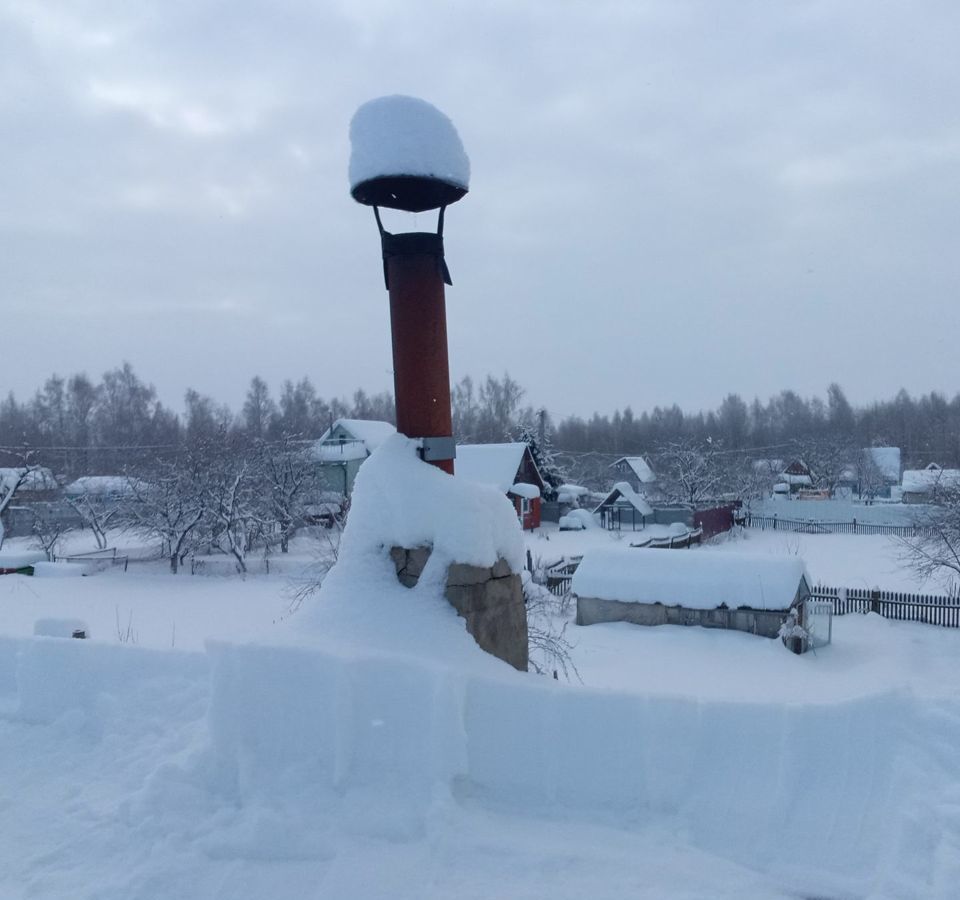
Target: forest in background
{"x": 81, "y": 426}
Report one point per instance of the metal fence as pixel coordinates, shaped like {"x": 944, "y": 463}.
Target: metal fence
{"x": 807, "y": 526}
{"x": 932, "y": 609}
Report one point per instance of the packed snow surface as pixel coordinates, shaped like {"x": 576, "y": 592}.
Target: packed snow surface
{"x": 399, "y": 135}
{"x": 692, "y": 579}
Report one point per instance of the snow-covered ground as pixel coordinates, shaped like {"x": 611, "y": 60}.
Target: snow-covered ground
{"x": 233, "y": 748}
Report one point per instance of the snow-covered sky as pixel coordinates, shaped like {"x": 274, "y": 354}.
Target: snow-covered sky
{"x": 670, "y": 199}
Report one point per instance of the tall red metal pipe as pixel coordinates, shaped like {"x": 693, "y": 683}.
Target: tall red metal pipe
{"x": 418, "y": 322}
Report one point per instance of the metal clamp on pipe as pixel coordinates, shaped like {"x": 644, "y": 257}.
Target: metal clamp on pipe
{"x": 434, "y": 449}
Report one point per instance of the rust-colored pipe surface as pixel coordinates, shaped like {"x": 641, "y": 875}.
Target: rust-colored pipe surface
{"x": 418, "y": 321}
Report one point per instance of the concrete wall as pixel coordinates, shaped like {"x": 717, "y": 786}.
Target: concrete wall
{"x": 763, "y": 622}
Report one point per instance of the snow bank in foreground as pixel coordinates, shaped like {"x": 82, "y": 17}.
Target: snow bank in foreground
{"x": 306, "y": 748}
{"x": 398, "y": 500}
{"x": 752, "y": 782}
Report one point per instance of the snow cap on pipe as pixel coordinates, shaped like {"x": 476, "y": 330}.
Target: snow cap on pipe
{"x": 406, "y": 154}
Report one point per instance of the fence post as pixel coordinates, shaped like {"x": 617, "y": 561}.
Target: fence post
{"x": 854, "y": 524}
{"x": 774, "y": 521}
{"x": 875, "y": 600}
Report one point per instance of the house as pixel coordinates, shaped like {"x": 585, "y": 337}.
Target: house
{"x": 794, "y": 478}
{"x": 635, "y": 471}
{"x": 735, "y": 591}
{"x": 509, "y": 468}
{"x": 920, "y": 485}
{"x": 344, "y": 446}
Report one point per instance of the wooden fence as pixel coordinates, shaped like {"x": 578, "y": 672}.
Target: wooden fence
{"x": 933, "y": 609}
{"x": 560, "y": 575}
{"x": 101, "y": 559}
{"x": 674, "y": 541}
{"x": 806, "y": 526}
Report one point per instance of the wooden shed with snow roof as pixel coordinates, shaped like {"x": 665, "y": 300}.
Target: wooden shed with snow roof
{"x": 623, "y": 508}
{"x": 736, "y": 591}
{"x": 511, "y": 469}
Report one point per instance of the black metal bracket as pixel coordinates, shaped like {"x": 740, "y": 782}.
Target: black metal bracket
{"x": 413, "y": 243}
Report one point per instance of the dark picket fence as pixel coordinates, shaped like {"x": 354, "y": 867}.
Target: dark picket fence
{"x": 560, "y": 575}
{"x": 806, "y": 526}
{"x": 933, "y": 609}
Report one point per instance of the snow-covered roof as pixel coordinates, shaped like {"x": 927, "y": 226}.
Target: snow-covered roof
{"x": 622, "y": 489}
{"x": 522, "y": 489}
{"x": 887, "y": 460}
{"x": 802, "y": 480}
{"x": 39, "y": 479}
{"x": 363, "y": 437}
{"x": 639, "y": 466}
{"x": 495, "y": 464}
{"x": 400, "y": 135}
{"x": 924, "y": 481}
{"x": 571, "y": 493}
{"x": 697, "y": 579}
{"x": 98, "y": 485}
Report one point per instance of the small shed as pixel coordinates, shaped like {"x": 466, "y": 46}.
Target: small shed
{"x": 736, "y": 591}
{"x": 623, "y": 506}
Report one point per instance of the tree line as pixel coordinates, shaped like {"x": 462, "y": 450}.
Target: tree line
{"x": 926, "y": 428}
{"x": 81, "y": 426}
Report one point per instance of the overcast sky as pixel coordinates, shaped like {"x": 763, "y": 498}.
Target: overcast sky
{"x": 670, "y": 200}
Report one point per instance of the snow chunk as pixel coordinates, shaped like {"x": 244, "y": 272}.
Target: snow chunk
{"x": 694, "y": 579}
{"x": 521, "y": 489}
{"x": 399, "y": 135}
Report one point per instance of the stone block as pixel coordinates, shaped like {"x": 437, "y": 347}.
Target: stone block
{"x": 416, "y": 560}
{"x": 501, "y": 568}
{"x": 495, "y": 615}
{"x": 399, "y": 557}
{"x": 461, "y": 574}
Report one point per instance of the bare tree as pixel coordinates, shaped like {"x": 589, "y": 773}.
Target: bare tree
{"x": 235, "y": 519}
{"x": 171, "y": 506}
{"x": 48, "y": 529}
{"x": 934, "y": 551}
{"x": 693, "y": 473}
{"x": 288, "y": 479}
{"x": 13, "y": 479}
